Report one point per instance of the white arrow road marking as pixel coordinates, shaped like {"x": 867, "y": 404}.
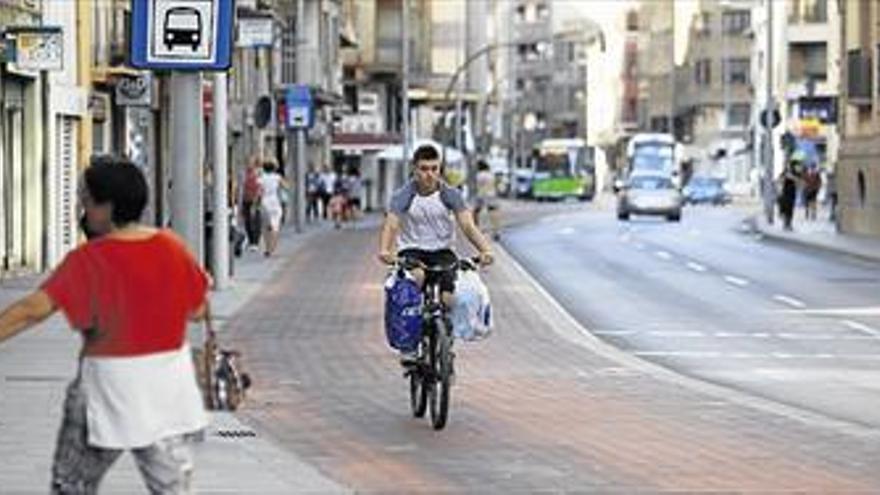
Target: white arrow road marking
{"x": 861, "y": 327}
{"x": 739, "y": 282}
{"x": 790, "y": 301}
{"x": 567, "y": 231}
{"x": 696, "y": 267}
{"x": 663, "y": 255}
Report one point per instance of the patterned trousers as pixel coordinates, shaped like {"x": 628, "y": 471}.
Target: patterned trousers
{"x": 78, "y": 468}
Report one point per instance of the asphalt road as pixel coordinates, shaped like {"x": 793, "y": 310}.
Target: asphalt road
{"x": 701, "y": 297}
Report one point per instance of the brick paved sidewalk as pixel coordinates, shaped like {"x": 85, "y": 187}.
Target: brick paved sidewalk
{"x": 36, "y": 366}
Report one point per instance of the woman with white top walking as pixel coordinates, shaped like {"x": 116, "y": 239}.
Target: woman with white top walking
{"x": 271, "y": 184}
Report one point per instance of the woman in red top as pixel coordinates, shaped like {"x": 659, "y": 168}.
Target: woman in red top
{"x": 130, "y": 291}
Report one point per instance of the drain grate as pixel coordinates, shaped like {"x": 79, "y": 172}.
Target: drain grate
{"x": 233, "y": 434}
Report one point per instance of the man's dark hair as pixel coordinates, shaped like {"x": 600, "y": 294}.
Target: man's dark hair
{"x": 482, "y": 165}
{"x": 425, "y": 152}
{"x": 119, "y": 182}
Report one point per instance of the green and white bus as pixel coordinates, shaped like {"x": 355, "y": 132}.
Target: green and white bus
{"x": 563, "y": 168}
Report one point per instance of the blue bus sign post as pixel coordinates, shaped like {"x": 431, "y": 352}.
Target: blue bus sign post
{"x": 182, "y": 34}
{"x": 300, "y": 107}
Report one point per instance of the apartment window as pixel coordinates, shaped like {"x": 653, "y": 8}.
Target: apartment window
{"x": 808, "y": 61}
{"x": 632, "y": 21}
{"x": 704, "y": 24}
{"x": 738, "y": 115}
{"x": 520, "y": 15}
{"x": 859, "y": 75}
{"x": 808, "y": 11}
{"x": 735, "y": 21}
{"x": 542, "y": 11}
{"x": 738, "y": 70}
{"x": 703, "y": 72}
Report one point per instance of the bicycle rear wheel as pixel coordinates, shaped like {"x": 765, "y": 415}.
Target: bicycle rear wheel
{"x": 418, "y": 393}
{"x": 440, "y": 359}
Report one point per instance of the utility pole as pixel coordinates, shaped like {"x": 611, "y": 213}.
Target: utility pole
{"x": 299, "y": 134}
{"x": 404, "y": 28}
{"x": 187, "y": 205}
{"x": 770, "y": 107}
{"x": 220, "y": 217}
{"x": 672, "y": 72}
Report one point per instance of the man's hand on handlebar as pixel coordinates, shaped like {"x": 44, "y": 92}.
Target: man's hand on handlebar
{"x": 387, "y": 258}
{"x": 486, "y": 258}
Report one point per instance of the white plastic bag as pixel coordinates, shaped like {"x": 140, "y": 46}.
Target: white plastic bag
{"x": 471, "y": 314}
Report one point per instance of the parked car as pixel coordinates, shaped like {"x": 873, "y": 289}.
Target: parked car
{"x": 708, "y": 190}
{"x": 649, "y": 194}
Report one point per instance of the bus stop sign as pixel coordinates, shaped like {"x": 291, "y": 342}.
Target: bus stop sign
{"x": 300, "y": 107}
{"x": 181, "y": 34}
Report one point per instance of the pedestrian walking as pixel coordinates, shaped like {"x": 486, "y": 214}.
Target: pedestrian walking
{"x": 313, "y": 188}
{"x": 788, "y": 185}
{"x": 812, "y": 184}
{"x": 272, "y": 186}
{"x": 250, "y": 203}
{"x": 355, "y": 189}
{"x": 129, "y": 291}
{"x": 326, "y": 188}
{"x": 487, "y": 198}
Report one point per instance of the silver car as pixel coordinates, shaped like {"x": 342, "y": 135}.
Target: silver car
{"x": 649, "y": 194}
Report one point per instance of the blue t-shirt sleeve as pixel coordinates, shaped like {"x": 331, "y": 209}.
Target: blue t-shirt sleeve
{"x": 453, "y": 199}
{"x": 402, "y": 199}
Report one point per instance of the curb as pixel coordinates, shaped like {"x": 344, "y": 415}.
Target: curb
{"x": 756, "y": 227}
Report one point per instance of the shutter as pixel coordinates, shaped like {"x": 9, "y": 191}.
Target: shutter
{"x": 66, "y": 205}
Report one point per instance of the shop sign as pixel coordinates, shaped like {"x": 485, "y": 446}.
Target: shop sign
{"x": 134, "y": 91}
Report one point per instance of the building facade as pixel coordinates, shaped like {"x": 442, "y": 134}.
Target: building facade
{"x": 858, "y": 172}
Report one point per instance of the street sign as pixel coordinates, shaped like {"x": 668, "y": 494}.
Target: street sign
{"x": 255, "y": 32}
{"x": 774, "y": 119}
{"x": 300, "y": 107}
{"x": 38, "y": 47}
{"x": 181, "y": 34}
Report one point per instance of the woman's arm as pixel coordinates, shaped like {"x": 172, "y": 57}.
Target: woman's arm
{"x": 24, "y": 313}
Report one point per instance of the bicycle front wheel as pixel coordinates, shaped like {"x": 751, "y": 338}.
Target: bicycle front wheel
{"x": 441, "y": 367}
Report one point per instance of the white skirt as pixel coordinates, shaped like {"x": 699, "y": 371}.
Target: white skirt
{"x": 272, "y": 211}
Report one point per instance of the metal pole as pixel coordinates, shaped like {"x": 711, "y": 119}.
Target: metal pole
{"x": 186, "y": 159}
{"x": 221, "y": 182}
{"x": 725, "y": 71}
{"x": 47, "y": 224}
{"x": 296, "y": 155}
{"x": 405, "y": 85}
{"x": 672, "y": 74}
{"x": 769, "y": 107}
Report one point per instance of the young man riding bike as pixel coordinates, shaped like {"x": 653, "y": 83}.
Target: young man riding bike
{"x": 420, "y": 221}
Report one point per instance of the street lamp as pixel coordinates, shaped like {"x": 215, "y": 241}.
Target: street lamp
{"x": 596, "y": 35}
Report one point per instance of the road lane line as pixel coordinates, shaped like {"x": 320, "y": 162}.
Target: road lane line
{"x": 696, "y": 267}
{"x": 789, "y": 300}
{"x": 640, "y": 246}
{"x": 739, "y": 282}
{"x": 663, "y": 255}
{"x": 567, "y": 231}
{"x": 861, "y": 327}
{"x": 614, "y": 332}
{"x": 683, "y": 354}
{"x": 674, "y": 333}
{"x": 806, "y": 336}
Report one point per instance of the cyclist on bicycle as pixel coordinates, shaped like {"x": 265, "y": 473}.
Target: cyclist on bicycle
{"x": 420, "y": 220}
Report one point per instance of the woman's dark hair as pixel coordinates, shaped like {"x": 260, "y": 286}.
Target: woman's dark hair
{"x": 482, "y": 165}
{"x": 425, "y": 152}
{"x": 119, "y": 182}
{"x": 270, "y": 165}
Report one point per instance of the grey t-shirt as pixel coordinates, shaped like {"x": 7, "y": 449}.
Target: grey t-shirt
{"x": 426, "y": 222}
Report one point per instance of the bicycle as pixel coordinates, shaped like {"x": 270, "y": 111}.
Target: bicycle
{"x": 431, "y": 375}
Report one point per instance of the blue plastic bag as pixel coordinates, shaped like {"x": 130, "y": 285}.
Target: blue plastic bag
{"x": 403, "y": 312}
